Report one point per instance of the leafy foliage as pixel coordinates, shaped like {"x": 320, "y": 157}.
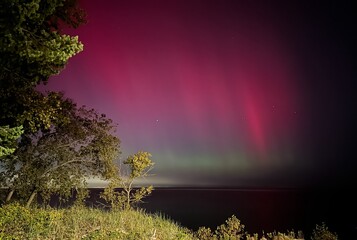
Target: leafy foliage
{"x": 234, "y": 230}
{"x": 204, "y": 233}
{"x": 32, "y": 48}
{"x": 61, "y": 144}
{"x": 33, "y": 110}
{"x": 18, "y": 222}
{"x": 8, "y": 137}
{"x": 231, "y": 230}
{"x": 139, "y": 165}
{"x": 55, "y": 160}
{"x": 31, "y": 45}
{"x": 285, "y": 236}
{"x": 321, "y": 232}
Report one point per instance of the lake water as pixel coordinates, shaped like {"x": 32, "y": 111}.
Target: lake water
{"x": 258, "y": 210}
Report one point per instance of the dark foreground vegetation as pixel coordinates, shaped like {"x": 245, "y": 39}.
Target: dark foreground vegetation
{"x": 80, "y": 222}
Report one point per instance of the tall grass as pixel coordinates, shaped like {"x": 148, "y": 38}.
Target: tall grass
{"x": 18, "y": 222}
{"x": 78, "y": 222}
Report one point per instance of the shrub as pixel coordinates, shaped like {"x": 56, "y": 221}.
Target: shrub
{"x": 231, "y": 230}
{"x": 234, "y": 230}
{"x": 19, "y": 222}
{"x": 204, "y": 233}
{"x": 139, "y": 165}
{"x": 322, "y": 233}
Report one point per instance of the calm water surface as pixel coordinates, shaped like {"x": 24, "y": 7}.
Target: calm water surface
{"x": 258, "y": 210}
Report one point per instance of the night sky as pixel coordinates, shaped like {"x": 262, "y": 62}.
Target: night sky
{"x": 224, "y": 93}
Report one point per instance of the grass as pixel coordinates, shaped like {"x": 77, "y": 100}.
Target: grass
{"x": 19, "y": 222}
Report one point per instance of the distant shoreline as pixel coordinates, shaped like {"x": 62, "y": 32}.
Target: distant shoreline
{"x": 215, "y": 188}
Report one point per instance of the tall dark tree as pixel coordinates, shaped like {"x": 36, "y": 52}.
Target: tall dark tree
{"x": 33, "y": 48}
{"x": 61, "y": 144}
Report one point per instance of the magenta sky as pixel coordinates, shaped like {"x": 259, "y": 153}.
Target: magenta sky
{"x": 220, "y": 92}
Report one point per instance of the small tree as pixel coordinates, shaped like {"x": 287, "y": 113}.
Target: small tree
{"x": 321, "y": 232}
{"x": 233, "y": 229}
{"x": 139, "y": 165}
{"x": 204, "y": 233}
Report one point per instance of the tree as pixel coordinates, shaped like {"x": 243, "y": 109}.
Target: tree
{"x": 8, "y": 138}
{"x": 32, "y": 48}
{"x": 57, "y": 159}
{"x": 34, "y": 111}
{"x": 139, "y": 165}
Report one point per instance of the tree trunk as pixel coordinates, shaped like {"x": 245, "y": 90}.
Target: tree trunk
{"x": 9, "y": 195}
{"x": 128, "y": 189}
{"x": 33, "y": 194}
{"x": 128, "y": 199}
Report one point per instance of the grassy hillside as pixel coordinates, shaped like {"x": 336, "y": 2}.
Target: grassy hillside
{"x": 18, "y": 222}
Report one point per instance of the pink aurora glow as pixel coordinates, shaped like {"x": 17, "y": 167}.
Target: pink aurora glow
{"x": 174, "y": 75}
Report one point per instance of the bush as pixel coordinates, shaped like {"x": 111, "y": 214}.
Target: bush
{"x": 322, "y": 233}
{"x": 19, "y": 222}
{"x": 204, "y": 233}
{"x": 231, "y": 230}
{"x": 234, "y": 230}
